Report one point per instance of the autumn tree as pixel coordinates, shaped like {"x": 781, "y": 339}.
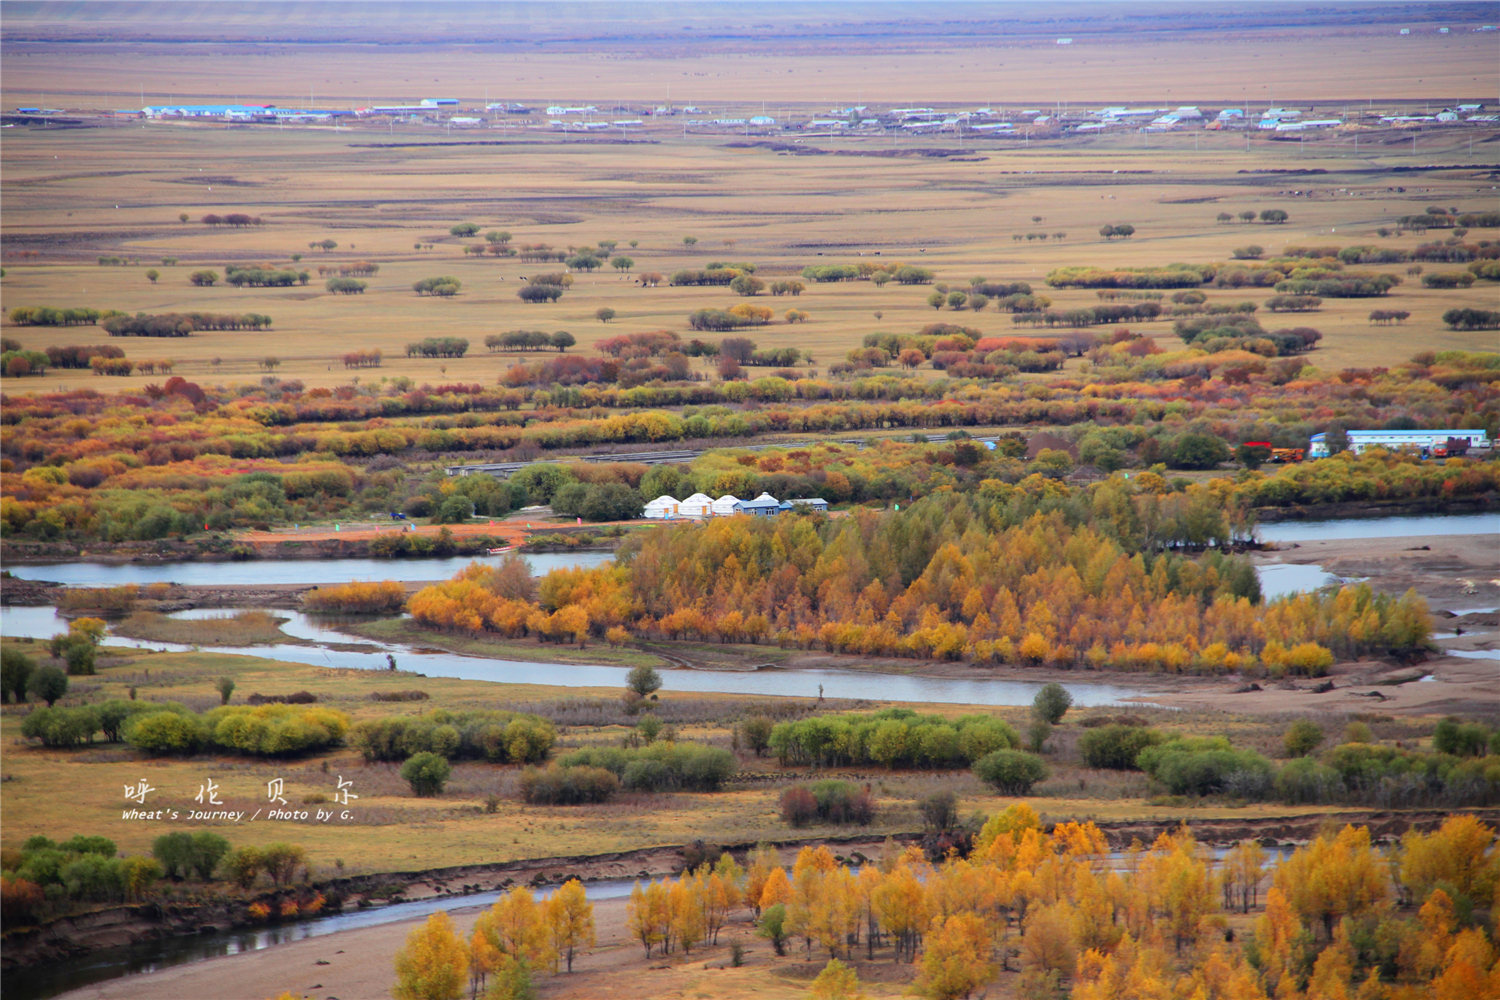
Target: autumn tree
{"x": 956, "y": 960}
{"x": 762, "y": 863}
{"x": 1334, "y": 877}
{"x": 901, "y": 908}
{"x": 570, "y": 920}
{"x": 1460, "y": 855}
{"x": 687, "y": 922}
{"x": 1241, "y": 873}
{"x": 648, "y": 916}
{"x": 516, "y": 928}
{"x": 836, "y": 982}
{"x": 434, "y": 964}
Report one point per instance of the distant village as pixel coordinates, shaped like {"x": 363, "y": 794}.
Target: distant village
{"x": 851, "y": 120}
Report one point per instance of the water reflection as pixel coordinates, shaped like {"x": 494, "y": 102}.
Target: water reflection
{"x": 1379, "y": 527}
{"x": 280, "y": 571}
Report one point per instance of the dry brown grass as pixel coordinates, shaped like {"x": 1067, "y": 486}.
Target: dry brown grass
{"x": 780, "y": 211}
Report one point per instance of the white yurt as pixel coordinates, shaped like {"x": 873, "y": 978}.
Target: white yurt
{"x": 724, "y": 506}
{"x": 662, "y": 507}
{"x": 697, "y": 505}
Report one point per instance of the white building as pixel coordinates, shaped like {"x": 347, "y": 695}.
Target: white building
{"x": 662, "y": 508}
{"x": 697, "y": 505}
{"x": 724, "y": 506}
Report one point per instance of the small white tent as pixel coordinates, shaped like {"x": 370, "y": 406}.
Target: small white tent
{"x": 724, "y": 506}
{"x": 662, "y": 507}
{"x": 697, "y": 505}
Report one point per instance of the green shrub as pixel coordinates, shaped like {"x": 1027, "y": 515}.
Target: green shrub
{"x": 1304, "y": 780}
{"x": 114, "y": 713}
{"x": 426, "y": 773}
{"x": 495, "y": 736}
{"x": 175, "y": 852}
{"x": 1302, "y": 738}
{"x": 165, "y": 732}
{"x": 49, "y": 684}
{"x": 1012, "y": 772}
{"x": 1051, "y": 703}
{"x": 81, "y": 844}
{"x": 566, "y": 786}
{"x": 662, "y": 766}
{"x": 1205, "y": 766}
{"x": 61, "y": 727}
{"x": 1115, "y": 747}
{"x": 15, "y": 674}
{"x": 276, "y": 730}
{"x": 208, "y": 849}
{"x": 891, "y": 738}
{"x": 1461, "y": 739}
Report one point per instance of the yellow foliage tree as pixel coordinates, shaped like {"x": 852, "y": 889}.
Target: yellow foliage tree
{"x": 762, "y": 862}
{"x": 1334, "y": 877}
{"x": 956, "y": 960}
{"x": 836, "y": 982}
{"x": 570, "y": 920}
{"x": 515, "y": 927}
{"x": 688, "y": 926}
{"x": 434, "y": 964}
{"x": 778, "y": 889}
{"x": 1460, "y": 853}
{"x": 649, "y": 916}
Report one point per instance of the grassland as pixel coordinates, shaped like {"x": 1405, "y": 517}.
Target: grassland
{"x": 73, "y": 195}
{"x": 398, "y": 832}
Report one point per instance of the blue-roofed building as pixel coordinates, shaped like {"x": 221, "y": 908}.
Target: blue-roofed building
{"x": 764, "y": 505}
{"x": 816, "y": 503}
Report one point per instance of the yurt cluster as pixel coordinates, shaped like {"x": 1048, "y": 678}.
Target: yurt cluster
{"x": 700, "y": 505}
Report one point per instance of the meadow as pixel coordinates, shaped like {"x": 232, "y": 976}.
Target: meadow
{"x": 74, "y": 195}
{"x": 398, "y": 831}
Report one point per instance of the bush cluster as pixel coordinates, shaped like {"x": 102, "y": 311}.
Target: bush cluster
{"x": 567, "y": 786}
{"x": 1011, "y": 772}
{"x": 1206, "y": 766}
{"x": 841, "y": 803}
{"x": 1116, "y": 747}
{"x": 496, "y": 736}
{"x": 660, "y": 766}
{"x": 893, "y": 737}
{"x": 275, "y": 730}
{"x": 44, "y": 876}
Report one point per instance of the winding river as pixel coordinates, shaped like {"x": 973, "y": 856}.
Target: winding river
{"x": 51, "y": 979}
{"x": 43, "y": 622}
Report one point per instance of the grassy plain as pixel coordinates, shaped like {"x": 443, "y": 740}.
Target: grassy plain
{"x": 398, "y": 832}
{"x": 71, "y": 195}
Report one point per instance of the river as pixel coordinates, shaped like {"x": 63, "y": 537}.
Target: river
{"x": 272, "y": 571}
{"x": 43, "y": 622}
{"x": 50, "y": 979}
{"x": 1379, "y": 527}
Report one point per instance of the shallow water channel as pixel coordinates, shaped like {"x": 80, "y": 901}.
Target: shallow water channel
{"x": 1281, "y": 579}
{"x": 273, "y": 571}
{"x": 43, "y": 622}
{"x": 53, "y": 978}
